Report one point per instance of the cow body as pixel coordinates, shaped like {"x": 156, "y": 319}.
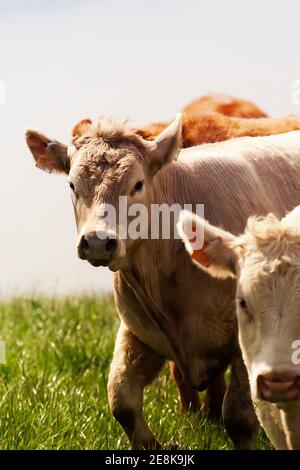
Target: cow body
{"x": 162, "y": 281}
{"x": 209, "y": 108}
{"x": 263, "y": 177}
{"x": 210, "y": 127}
{"x": 214, "y": 104}
{"x": 208, "y": 119}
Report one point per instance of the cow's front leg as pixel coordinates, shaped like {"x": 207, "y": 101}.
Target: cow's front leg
{"x": 214, "y": 398}
{"x": 134, "y": 366}
{"x": 238, "y": 411}
{"x": 189, "y": 398}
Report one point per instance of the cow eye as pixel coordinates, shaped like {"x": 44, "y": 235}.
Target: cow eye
{"x": 243, "y": 304}
{"x": 72, "y": 186}
{"x": 244, "y": 309}
{"x": 138, "y": 186}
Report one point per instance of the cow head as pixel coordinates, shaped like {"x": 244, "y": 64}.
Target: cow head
{"x": 265, "y": 260}
{"x": 107, "y": 165}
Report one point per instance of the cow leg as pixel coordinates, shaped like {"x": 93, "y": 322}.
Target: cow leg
{"x": 134, "y": 366}
{"x": 214, "y": 398}
{"x": 238, "y": 412}
{"x": 189, "y": 398}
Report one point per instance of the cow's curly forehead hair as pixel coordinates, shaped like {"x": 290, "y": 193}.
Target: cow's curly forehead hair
{"x": 106, "y": 150}
{"x": 109, "y": 131}
{"x": 271, "y": 241}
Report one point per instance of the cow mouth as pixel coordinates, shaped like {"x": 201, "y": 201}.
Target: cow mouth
{"x": 279, "y": 393}
{"x": 98, "y": 262}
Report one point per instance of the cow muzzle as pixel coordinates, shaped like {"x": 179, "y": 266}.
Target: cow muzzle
{"x": 279, "y": 387}
{"x": 97, "y": 248}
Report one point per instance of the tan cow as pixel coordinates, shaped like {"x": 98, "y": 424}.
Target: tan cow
{"x": 209, "y": 126}
{"x": 266, "y": 263}
{"x": 168, "y": 308}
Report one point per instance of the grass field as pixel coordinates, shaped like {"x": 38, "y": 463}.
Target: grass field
{"x": 53, "y": 386}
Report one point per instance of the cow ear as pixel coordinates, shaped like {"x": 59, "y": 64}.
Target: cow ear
{"x": 50, "y": 155}
{"x": 209, "y": 247}
{"x": 165, "y": 147}
{"x": 81, "y": 128}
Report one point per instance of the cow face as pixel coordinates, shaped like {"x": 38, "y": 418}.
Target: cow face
{"x": 266, "y": 263}
{"x": 110, "y": 168}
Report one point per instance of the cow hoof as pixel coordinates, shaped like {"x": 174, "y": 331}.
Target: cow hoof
{"x": 151, "y": 444}
{"x": 245, "y": 444}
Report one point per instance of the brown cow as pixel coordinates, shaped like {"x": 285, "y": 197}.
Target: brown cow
{"x": 214, "y": 127}
{"x": 210, "y": 104}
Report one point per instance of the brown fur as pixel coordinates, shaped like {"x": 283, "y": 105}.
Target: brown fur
{"x": 224, "y": 104}
{"x": 194, "y": 133}
{"x": 214, "y": 127}
{"x": 189, "y": 398}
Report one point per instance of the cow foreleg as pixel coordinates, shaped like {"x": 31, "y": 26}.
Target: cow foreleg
{"x": 134, "y": 366}
{"x": 214, "y": 398}
{"x": 238, "y": 412}
{"x": 189, "y": 398}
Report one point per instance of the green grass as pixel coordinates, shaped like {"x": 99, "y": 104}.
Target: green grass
{"x": 53, "y": 386}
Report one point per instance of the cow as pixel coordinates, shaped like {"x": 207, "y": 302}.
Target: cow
{"x": 213, "y": 104}
{"x": 164, "y": 314}
{"x": 265, "y": 260}
{"x": 210, "y": 127}
{"x": 168, "y": 308}
{"x": 208, "y": 107}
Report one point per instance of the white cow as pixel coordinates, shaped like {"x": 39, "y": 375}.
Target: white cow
{"x": 266, "y": 262}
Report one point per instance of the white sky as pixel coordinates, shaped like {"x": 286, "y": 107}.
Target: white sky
{"x": 65, "y": 60}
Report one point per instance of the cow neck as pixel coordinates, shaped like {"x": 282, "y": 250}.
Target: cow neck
{"x": 158, "y": 317}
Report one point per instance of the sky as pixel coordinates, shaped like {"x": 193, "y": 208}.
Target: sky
{"x": 61, "y": 61}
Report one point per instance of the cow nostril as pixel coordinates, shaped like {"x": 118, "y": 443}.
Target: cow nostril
{"x": 111, "y": 245}
{"x": 84, "y": 244}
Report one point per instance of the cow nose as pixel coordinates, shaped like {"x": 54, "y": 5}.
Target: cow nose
{"x": 97, "y": 249}
{"x": 279, "y": 386}
{"x": 110, "y": 245}
{"x": 84, "y": 244}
